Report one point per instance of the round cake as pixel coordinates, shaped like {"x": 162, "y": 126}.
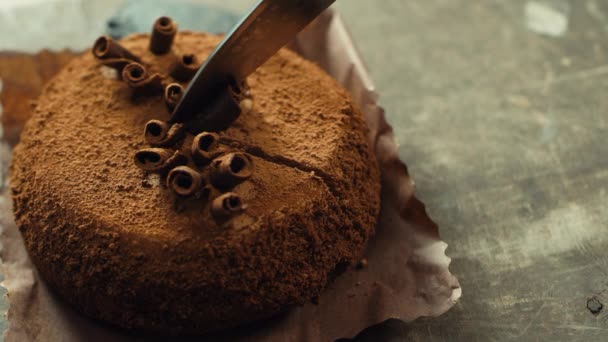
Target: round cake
{"x": 121, "y": 245}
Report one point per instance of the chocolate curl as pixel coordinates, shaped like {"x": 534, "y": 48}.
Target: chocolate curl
{"x": 205, "y": 148}
{"x": 173, "y": 93}
{"x": 184, "y": 68}
{"x": 230, "y": 169}
{"x": 137, "y": 77}
{"x": 158, "y": 159}
{"x": 163, "y": 33}
{"x": 160, "y": 133}
{"x": 227, "y": 205}
{"x": 106, "y": 48}
{"x": 184, "y": 181}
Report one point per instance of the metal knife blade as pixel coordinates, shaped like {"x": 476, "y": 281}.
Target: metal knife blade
{"x": 268, "y": 26}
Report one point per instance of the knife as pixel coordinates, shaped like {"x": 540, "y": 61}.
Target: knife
{"x": 268, "y": 26}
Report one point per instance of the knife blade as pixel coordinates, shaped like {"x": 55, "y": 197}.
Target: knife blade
{"x": 267, "y": 27}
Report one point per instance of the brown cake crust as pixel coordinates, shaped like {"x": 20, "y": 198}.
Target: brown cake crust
{"x": 119, "y": 246}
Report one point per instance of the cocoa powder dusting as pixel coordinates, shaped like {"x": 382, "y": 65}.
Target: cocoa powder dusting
{"x": 115, "y": 242}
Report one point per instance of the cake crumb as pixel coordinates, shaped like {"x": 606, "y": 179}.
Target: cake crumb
{"x": 246, "y": 106}
{"x": 154, "y": 180}
{"x": 108, "y": 73}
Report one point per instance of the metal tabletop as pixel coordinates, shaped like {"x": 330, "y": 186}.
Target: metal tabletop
{"x": 501, "y": 114}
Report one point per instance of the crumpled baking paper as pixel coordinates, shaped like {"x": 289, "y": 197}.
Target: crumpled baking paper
{"x": 407, "y": 274}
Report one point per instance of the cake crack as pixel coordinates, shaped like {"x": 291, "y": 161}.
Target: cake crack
{"x": 259, "y": 152}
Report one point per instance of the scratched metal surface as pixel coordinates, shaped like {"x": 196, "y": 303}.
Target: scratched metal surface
{"x": 501, "y": 114}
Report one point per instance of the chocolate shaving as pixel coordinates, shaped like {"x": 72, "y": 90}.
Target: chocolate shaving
{"x": 205, "y": 148}
{"x": 227, "y": 205}
{"x": 184, "y": 181}
{"x": 160, "y": 133}
{"x": 106, "y": 48}
{"x": 138, "y": 78}
{"x": 184, "y": 68}
{"x": 163, "y": 34}
{"x": 173, "y": 93}
{"x": 230, "y": 170}
{"x": 158, "y": 159}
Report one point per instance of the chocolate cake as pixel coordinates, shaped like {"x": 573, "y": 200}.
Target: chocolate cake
{"x": 145, "y": 224}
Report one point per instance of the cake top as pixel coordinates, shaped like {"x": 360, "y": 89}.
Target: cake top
{"x": 285, "y": 138}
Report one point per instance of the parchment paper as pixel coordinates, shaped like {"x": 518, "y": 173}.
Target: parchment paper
{"x": 407, "y": 275}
